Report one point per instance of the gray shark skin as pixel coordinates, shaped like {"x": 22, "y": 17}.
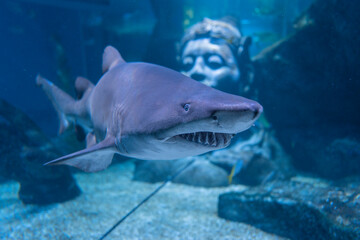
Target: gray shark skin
{"x": 149, "y": 112}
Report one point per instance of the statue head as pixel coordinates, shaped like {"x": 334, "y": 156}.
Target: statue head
{"x": 213, "y": 52}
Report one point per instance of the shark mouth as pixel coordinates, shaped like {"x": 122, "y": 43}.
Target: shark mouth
{"x": 211, "y": 139}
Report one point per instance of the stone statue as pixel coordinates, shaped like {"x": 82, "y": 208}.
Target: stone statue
{"x": 215, "y": 53}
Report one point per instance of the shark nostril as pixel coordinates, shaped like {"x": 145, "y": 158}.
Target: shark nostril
{"x": 198, "y": 76}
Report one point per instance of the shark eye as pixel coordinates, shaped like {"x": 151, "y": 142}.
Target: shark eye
{"x": 186, "y": 107}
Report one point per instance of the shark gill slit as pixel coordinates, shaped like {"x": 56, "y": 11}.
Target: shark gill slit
{"x": 117, "y": 121}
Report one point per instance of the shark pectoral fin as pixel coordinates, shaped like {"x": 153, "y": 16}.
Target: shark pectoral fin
{"x": 111, "y": 57}
{"x": 93, "y": 159}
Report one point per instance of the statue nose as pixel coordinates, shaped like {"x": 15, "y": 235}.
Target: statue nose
{"x": 198, "y": 76}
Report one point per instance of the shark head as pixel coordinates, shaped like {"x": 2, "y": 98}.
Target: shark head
{"x": 175, "y": 116}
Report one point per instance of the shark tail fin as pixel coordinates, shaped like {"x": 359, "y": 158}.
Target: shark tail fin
{"x": 63, "y": 103}
{"x": 111, "y": 57}
{"x": 93, "y": 159}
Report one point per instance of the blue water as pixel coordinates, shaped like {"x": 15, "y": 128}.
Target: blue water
{"x": 309, "y": 131}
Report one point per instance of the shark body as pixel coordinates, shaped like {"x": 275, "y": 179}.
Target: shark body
{"x": 149, "y": 112}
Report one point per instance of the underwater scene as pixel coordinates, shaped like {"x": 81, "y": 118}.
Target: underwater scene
{"x": 180, "y": 119}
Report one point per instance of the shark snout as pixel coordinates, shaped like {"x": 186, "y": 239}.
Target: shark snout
{"x": 224, "y": 102}
{"x": 256, "y": 108}
{"x": 239, "y": 117}
{"x": 250, "y": 109}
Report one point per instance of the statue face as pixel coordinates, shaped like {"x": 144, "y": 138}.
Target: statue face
{"x": 211, "y": 64}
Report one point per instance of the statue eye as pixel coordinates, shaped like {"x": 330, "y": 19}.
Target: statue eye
{"x": 186, "y": 107}
{"x": 215, "y": 61}
{"x": 188, "y": 63}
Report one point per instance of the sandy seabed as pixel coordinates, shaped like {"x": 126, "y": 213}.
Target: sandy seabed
{"x": 176, "y": 212}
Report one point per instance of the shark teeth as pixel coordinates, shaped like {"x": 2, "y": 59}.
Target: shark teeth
{"x": 208, "y": 138}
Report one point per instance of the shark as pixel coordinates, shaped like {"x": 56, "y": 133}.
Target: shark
{"x": 146, "y": 111}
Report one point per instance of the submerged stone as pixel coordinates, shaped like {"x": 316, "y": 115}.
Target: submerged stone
{"x": 308, "y": 85}
{"x": 201, "y": 173}
{"x": 298, "y": 209}
{"x": 24, "y": 149}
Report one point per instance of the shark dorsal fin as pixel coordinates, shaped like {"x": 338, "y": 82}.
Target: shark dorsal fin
{"x": 93, "y": 159}
{"x": 111, "y": 57}
{"x": 81, "y": 86}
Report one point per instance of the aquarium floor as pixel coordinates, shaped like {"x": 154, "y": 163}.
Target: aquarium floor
{"x": 176, "y": 212}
